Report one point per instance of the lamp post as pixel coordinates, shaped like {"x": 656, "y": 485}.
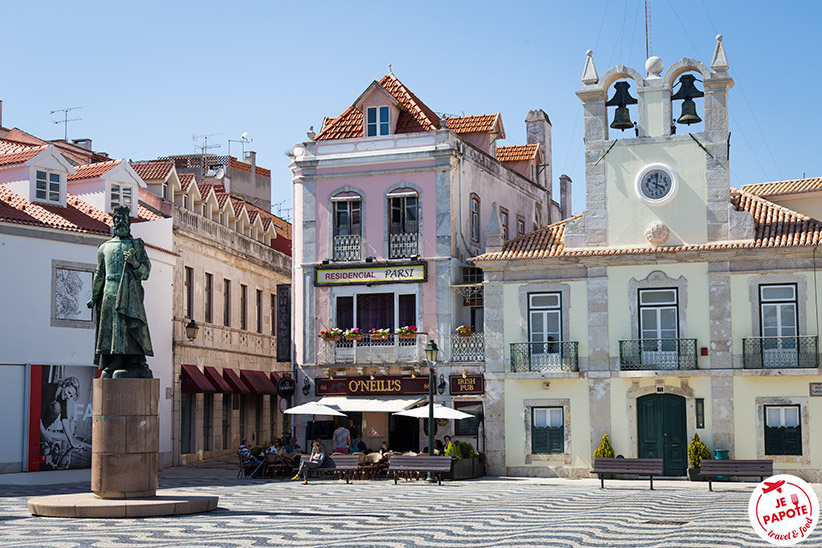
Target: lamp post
{"x": 191, "y": 330}
{"x": 431, "y": 355}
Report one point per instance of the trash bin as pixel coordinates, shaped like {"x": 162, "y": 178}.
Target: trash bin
{"x": 721, "y": 454}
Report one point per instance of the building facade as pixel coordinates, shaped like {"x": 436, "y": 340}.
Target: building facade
{"x": 674, "y": 305}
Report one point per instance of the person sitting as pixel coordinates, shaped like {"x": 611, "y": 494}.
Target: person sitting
{"x": 292, "y": 446}
{"x": 277, "y": 448}
{"x": 314, "y": 461}
{"x": 251, "y": 463}
{"x": 384, "y": 448}
{"x": 439, "y": 448}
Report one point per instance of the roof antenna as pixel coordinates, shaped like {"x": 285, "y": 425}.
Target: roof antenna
{"x": 389, "y": 69}
{"x": 65, "y": 121}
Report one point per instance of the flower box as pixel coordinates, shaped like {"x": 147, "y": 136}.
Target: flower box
{"x": 332, "y": 338}
{"x": 407, "y": 335}
{"x": 464, "y": 333}
{"x": 377, "y": 337}
{"x": 353, "y": 337}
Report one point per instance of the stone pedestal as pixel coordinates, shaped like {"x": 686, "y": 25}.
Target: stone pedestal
{"x": 125, "y": 438}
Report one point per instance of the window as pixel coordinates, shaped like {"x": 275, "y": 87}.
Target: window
{"x": 227, "y": 303}
{"x": 376, "y": 311}
{"x": 165, "y": 192}
{"x": 778, "y": 310}
{"x": 700, "y": 412}
{"x": 537, "y": 216}
{"x": 468, "y": 427}
{"x": 189, "y": 290}
{"x": 243, "y": 306}
{"x": 185, "y": 201}
{"x": 208, "y": 422}
{"x": 120, "y": 196}
{"x": 783, "y": 431}
{"x": 475, "y": 219}
{"x": 259, "y": 311}
{"x": 404, "y": 217}
{"x": 547, "y": 430}
{"x": 503, "y": 219}
{"x": 545, "y": 321}
{"x": 347, "y": 217}
{"x": 520, "y": 226}
{"x": 377, "y": 121}
{"x": 209, "y": 298}
{"x": 273, "y": 314}
{"x": 47, "y": 186}
{"x": 658, "y": 320}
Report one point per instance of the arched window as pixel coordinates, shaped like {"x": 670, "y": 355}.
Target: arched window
{"x": 347, "y": 226}
{"x": 403, "y": 223}
{"x": 475, "y": 218}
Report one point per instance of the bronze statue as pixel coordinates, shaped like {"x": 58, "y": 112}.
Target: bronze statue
{"x": 121, "y": 338}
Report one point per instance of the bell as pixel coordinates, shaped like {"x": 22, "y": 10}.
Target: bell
{"x": 687, "y": 91}
{"x": 622, "y": 118}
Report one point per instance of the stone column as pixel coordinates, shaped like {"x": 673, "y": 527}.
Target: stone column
{"x": 722, "y": 415}
{"x": 125, "y": 438}
{"x": 719, "y": 304}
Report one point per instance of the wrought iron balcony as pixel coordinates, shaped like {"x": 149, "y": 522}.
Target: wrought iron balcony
{"x": 779, "y": 352}
{"x": 468, "y": 349}
{"x": 403, "y": 245}
{"x": 544, "y": 356}
{"x": 639, "y": 354}
{"x": 371, "y": 350}
{"x": 348, "y": 247}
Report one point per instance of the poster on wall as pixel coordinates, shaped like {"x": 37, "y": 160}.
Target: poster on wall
{"x": 72, "y": 290}
{"x": 60, "y": 413}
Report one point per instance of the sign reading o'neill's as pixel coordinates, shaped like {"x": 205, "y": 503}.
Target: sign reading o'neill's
{"x": 371, "y": 274}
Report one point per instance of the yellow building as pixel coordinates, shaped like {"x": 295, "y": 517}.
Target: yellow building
{"x": 674, "y": 305}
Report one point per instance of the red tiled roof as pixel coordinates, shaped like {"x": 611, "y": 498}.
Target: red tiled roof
{"x": 238, "y": 204}
{"x": 21, "y": 156}
{"x": 482, "y": 123}
{"x": 77, "y": 216}
{"x": 414, "y": 116}
{"x": 21, "y": 136}
{"x": 153, "y": 170}
{"x": 93, "y": 171}
{"x": 780, "y": 188}
{"x": 75, "y": 154}
{"x": 222, "y": 198}
{"x": 517, "y": 153}
{"x": 145, "y": 214}
{"x": 205, "y": 188}
{"x": 243, "y": 166}
{"x": 774, "y": 226}
{"x": 13, "y": 146}
{"x": 186, "y": 179}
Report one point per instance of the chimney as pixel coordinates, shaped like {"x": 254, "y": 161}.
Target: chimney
{"x": 538, "y": 129}
{"x": 84, "y": 143}
{"x": 251, "y": 158}
{"x": 494, "y": 238}
{"x": 565, "y": 196}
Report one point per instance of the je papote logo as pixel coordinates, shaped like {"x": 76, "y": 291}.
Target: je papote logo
{"x": 783, "y": 510}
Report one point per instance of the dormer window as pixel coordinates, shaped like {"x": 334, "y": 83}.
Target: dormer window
{"x": 47, "y": 186}
{"x": 377, "y": 121}
{"x": 121, "y": 195}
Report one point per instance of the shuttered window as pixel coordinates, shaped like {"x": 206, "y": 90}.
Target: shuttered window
{"x": 783, "y": 431}
{"x": 547, "y": 430}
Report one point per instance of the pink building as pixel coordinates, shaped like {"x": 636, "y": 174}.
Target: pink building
{"x": 390, "y": 199}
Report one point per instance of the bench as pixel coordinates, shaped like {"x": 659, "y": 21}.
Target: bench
{"x": 712, "y": 468}
{"x": 634, "y": 467}
{"x": 419, "y": 463}
{"x": 346, "y": 464}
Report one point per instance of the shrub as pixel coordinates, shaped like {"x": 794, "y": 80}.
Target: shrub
{"x": 697, "y": 451}
{"x": 461, "y": 450}
{"x": 604, "y": 449}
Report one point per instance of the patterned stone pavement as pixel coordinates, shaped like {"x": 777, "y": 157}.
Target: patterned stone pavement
{"x": 491, "y": 512}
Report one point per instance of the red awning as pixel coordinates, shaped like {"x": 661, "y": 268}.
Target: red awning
{"x": 237, "y": 385}
{"x": 216, "y": 379}
{"x": 275, "y": 378}
{"x": 193, "y": 380}
{"x": 258, "y": 381}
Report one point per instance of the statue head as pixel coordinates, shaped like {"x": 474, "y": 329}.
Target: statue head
{"x": 122, "y": 221}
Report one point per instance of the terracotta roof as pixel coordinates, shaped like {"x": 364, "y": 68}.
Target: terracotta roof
{"x": 153, "y": 170}
{"x": 205, "y": 188}
{"x": 21, "y": 156}
{"x": 77, "y": 216}
{"x": 21, "y": 136}
{"x": 13, "y": 146}
{"x": 775, "y": 226}
{"x": 186, "y": 179}
{"x": 238, "y": 204}
{"x": 414, "y": 116}
{"x": 517, "y": 153}
{"x": 145, "y": 214}
{"x": 93, "y": 171}
{"x": 780, "y": 188}
{"x": 222, "y": 198}
{"x": 244, "y": 166}
{"x": 482, "y": 123}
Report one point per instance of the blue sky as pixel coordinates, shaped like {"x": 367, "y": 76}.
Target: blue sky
{"x": 150, "y": 75}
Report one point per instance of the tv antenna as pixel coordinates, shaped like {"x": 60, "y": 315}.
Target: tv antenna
{"x": 243, "y": 140}
{"x": 65, "y": 119}
{"x": 204, "y": 148}
{"x": 282, "y": 212}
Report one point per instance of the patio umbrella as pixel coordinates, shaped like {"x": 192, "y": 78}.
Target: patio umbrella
{"x": 313, "y": 408}
{"x": 440, "y": 412}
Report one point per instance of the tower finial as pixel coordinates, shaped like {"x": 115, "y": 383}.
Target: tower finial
{"x": 389, "y": 69}
{"x": 589, "y": 73}
{"x": 719, "y": 63}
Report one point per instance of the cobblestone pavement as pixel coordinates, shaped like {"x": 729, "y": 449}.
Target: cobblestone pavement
{"x": 491, "y": 512}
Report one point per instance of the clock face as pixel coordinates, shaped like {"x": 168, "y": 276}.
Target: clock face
{"x": 656, "y": 184}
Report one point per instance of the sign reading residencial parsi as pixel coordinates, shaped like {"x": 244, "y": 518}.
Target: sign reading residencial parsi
{"x": 334, "y": 275}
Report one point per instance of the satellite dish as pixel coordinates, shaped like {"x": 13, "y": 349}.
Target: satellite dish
{"x": 245, "y": 137}
{"x": 220, "y": 174}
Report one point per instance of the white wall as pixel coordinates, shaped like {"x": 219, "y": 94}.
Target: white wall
{"x": 15, "y": 419}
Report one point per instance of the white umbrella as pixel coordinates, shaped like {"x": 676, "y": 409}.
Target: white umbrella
{"x": 313, "y": 408}
{"x": 440, "y": 412}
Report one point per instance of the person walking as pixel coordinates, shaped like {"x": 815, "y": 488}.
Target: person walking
{"x": 342, "y": 439}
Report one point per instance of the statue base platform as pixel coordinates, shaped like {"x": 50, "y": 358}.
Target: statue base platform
{"x": 88, "y": 505}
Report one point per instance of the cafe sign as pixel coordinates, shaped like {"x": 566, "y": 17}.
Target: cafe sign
{"x": 378, "y": 274}
{"x": 366, "y": 386}
{"x": 470, "y": 384}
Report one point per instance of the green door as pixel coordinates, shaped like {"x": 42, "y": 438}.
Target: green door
{"x": 661, "y": 431}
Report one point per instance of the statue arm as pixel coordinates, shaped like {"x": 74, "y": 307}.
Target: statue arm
{"x": 99, "y": 280}
{"x": 143, "y": 267}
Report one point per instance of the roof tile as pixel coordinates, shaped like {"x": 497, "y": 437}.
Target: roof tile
{"x": 93, "y": 171}
{"x": 481, "y": 123}
{"x": 153, "y": 170}
{"x": 20, "y": 156}
{"x": 517, "y": 153}
{"x": 780, "y": 188}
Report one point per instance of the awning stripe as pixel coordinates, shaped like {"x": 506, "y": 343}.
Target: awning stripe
{"x": 216, "y": 379}
{"x": 234, "y": 381}
{"x": 192, "y": 380}
{"x": 258, "y": 382}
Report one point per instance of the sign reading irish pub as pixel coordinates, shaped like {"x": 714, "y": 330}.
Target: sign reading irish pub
{"x": 378, "y": 386}
{"x": 470, "y": 384}
{"x": 377, "y": 274}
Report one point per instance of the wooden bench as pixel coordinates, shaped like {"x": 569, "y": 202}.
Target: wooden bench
{"x": 634, "y": 467}
{"x": 345, "y": 464}
{"x": 419, "y": 463}
{"x": 712, "y": 468}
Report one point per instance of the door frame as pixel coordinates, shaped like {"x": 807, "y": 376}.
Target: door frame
{"x": 682, "y": 389}
{"x": 662, "y": 400}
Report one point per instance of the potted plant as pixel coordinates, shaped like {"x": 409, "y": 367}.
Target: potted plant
{"x": 696, "y": 452}
{"x": 333, "y": 334}
{"x": 407, "y": 332}
{"x": 467, "y": 463}
{"x": 353, "y": 334}
{"x": 604, "y": 451}
{"x": 379, "y": 334}
{"x": 465, "y": 331}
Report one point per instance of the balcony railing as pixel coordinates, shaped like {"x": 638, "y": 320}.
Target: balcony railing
{"x": 545, "y": 356}
{"x": 403, "y": 245}
{"x": 371, "y": 350}
{"x": 347, "y": 248}
{"x": 638, "y": 354}
{"x": 779, "y": 352}
{"x": 468, "y": 349}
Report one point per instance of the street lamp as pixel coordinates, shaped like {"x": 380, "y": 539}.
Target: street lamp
{"x": 431, "y": 351}
{"x": 191, "y": 330}
{"x": 306, "y": 386}
{"x": 441, "y": 385}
